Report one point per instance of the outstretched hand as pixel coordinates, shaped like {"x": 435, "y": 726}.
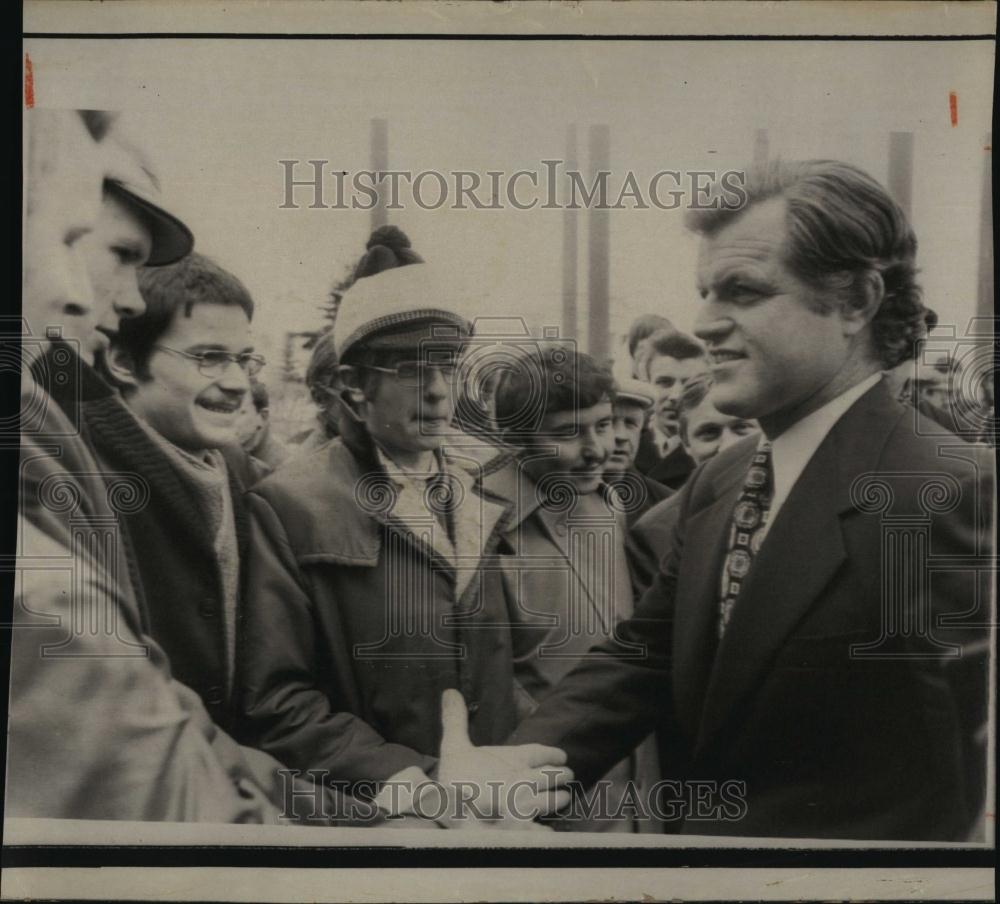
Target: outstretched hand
{"x": 497, "y": 786}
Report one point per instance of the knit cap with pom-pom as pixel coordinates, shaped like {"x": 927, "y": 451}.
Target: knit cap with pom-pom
{"x": 387, "y": 247}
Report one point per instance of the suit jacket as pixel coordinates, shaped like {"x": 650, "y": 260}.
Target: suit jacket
{"x": 359, "y": 615}
{"x": 648, "y": 541}
{"x": 823, "y": 717}
{"x": 670, "y": 470}
{"x": 637, "y": 492}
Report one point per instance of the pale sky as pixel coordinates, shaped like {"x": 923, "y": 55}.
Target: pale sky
{"x": 218, "y": 115}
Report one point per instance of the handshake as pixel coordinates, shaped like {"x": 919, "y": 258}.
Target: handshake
{"x": 495, "y": 787}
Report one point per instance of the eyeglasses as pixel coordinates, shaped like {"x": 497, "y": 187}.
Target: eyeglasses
{"x": 214, "y": 363}
{"x": 414, "y": 373}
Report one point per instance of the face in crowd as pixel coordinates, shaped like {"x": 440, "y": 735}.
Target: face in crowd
{"x": 629, "y": 418}
{"x": 669, "y": 375}
{"x": 706, "y": 431}
{"x": 934, "y": 392}
{"x": 250, "y": 423}
{"x": 118, "y": 246}
{"x": 63, "y": 203}
{"x": 776, "y": 345}
{"x": 409, "y": 405}
{"x": 581, "y": 437}
{"x": 193, "y": 384}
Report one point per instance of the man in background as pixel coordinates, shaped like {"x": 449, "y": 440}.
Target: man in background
{"x": 321, "y": 381}
{"x": 564, "y": 515}
{"x": 705, "y": 432}
{"x": 253, "y": 428}
{"x": 637, "y": 492}
{"x": 673, "y": 359}
{"x": 640, "y": 333}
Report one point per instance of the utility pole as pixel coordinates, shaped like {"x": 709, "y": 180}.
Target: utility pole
{"x": 901, "y": 169}
{"x": 570, "y": 239}
{"x": 599, "y": 255}
{"x": 380, "y": 163}
{"x": 761, "y": 148}
{"x": 985, "y": 303}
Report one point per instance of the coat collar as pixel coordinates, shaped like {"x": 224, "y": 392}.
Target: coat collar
{"x": 479, "y": 520}
{"x": 122, "y": 442}
{"x": 346, "y": 477}
{"x": 599, "y": 510}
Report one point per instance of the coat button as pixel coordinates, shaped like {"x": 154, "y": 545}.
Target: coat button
{"x": 214, "y": 695}
{"x": 473, "y": 708}
{"x": 208, "y": 608}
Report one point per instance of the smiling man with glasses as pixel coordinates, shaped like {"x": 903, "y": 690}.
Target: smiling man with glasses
{"x": 183, "y": 369}
{"x": 214, "y": 363}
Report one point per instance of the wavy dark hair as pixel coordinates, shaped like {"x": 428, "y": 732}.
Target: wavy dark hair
{"x": 172, "y": 291}
{"x": 843, "y": 227}
{"x": 551, "y": 379}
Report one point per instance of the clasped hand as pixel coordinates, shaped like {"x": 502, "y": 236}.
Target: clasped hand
{"x": 504, "y": 787}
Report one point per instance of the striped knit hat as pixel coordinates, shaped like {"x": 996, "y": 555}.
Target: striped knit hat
{"x": 400, "y": 308}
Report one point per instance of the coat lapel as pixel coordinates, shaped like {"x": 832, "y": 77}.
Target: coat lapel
{"x": 516, "y": 492}
{"x": 476, "y": 521}
{"x": 802, "y": 551}
{"x": 559, "y": 527}
{"x": 697, "y": 593}
{"x": 411, "y": 518}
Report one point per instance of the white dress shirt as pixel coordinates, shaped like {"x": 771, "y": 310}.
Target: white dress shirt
{"x": 792, "y": 450}
{"x": 664, "y": 444}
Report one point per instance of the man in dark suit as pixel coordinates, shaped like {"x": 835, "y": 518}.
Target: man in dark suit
{"x": 672, "y": 359}
{"x": 812, "y": 646}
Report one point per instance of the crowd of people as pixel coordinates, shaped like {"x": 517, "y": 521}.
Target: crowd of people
{"x": 492, "y": 579}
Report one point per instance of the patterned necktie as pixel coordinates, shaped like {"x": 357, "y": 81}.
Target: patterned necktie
{"x": 746, "y": 532}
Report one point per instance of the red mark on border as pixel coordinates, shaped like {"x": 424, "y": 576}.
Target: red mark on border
{"x": 953, "y": 105}
{"x": 29, "y": 83}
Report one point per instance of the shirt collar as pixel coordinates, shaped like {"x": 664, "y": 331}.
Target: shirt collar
{"x": 399, "y": 474}
{"x": 664, "y": 444}
{"x": 792, "y": 450}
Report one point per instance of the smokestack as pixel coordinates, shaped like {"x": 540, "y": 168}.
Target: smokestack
{"x": 570, "y": 237}
{"x": 380, "y": 163}
{"x": 901, "y": 169}
{"x": 598, "y": 262}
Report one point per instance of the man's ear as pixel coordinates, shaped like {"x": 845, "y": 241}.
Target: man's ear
{"x": 350, "y": 393}
{"x": 121, "y": 367}
{"x": 860, "y": 303}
